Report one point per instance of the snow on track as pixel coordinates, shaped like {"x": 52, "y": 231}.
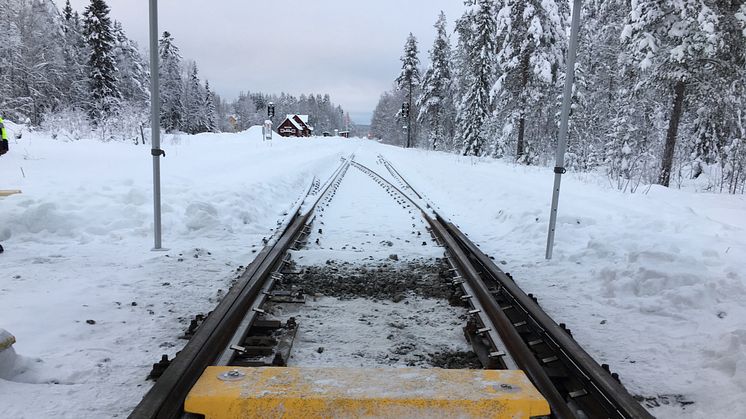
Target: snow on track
{"x": 364, "y": 223}
{"x": 364, "y": 226}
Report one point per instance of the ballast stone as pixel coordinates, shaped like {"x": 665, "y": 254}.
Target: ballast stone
{"x": 269, "y": 392}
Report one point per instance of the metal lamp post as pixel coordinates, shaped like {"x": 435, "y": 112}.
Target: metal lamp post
{"x": 559, "y": 169}
{"x": 155, "y": 107}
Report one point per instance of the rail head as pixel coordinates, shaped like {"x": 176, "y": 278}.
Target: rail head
{"x": 165, "y": 399}
{"x": 610, "y": 388}
{"x": 618, "y": 398}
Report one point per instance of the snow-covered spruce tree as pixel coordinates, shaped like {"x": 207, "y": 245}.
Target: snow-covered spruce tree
{"x": 222, "y": 111}
{"x": 474, "y": 107}
{"x": 436, "y": 101}
{"x": 172, "y": 106}
{"x": 461, "y": 67}
{"x": 194, "y": 103}
{"x": 31, "y": 63}
{"x": 717, "y": 104}
{"x": 134, "y": 80}
{"x": 384, "y": 124}
{"x": 408, "y": 80}
{"x": 531, "y": 37}
{"x": 459, "y": 56}
{"x": 682, "y": 47}
{"x": 248, "y": 114}
{"x": 67, "y": 12}
{"x": 102, "y": 71}
{"x": 596, "y": 83}
{"x": 612, "y": 123}
{"x": 210, "y": 109}
{"x": 75, "y": 52}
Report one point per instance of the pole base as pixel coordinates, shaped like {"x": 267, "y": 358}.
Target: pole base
{"x": 159, "y": 249}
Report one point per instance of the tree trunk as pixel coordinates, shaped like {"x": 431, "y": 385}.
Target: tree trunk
{"x": 522, "y": 121}
{"x": 673, "y": 127}
{"x": 521, "y": 130}
{"x": 409, "y": 117}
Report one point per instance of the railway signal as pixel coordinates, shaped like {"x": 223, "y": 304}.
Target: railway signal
{"x": 405, "y": 110}
{"x": 271, "y": 110}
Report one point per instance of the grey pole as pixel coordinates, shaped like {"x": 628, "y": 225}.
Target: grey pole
{"x": 564, "y": 121}
{"x": 155, "y": 107}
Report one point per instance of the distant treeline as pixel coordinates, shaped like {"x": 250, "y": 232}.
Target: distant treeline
{"x": 76, "y": 74}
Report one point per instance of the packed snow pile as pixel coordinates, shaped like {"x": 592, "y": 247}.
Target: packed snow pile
{"x": 256, "y": 132}
{"x": 91, "y": 307}
{"x": 652, "y": 284}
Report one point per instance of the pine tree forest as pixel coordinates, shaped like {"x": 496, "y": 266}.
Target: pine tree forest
{"x": 659, "y": 94}
{"x": 76, "y": 74}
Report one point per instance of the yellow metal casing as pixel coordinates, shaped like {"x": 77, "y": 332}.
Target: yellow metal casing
{"x": 273, "y": 392}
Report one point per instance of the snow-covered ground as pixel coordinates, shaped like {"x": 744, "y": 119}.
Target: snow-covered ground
{"x": 78, "y": 246}
{"x": 652, "y": 284}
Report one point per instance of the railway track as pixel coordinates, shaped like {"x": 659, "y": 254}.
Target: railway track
{"x": 507, "y": 328}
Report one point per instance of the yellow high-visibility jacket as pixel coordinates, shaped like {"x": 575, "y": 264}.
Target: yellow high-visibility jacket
{"x": 3, "y": 132}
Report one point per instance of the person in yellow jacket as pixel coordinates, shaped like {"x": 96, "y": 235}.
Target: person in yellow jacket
{"x": 3, "y": 138}
{"x": 3, "y": 150}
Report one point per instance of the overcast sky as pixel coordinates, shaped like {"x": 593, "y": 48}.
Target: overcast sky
{"x": 349, "y": 49}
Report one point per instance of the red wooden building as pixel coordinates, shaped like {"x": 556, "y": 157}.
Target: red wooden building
{"x": 295, "y": 126}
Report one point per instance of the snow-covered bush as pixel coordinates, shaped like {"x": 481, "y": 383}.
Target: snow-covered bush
{"x": 68, "y": 124}
{"x": 74, "y": 124}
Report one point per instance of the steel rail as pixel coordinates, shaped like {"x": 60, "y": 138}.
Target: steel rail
{"x": 624, "y": 404}
{"x": 607, "y": 390}
{"x": 517, "y": 348}
{"x": 490, "y": 332}
{"x": 398, "y": 176}
{"x": 228, "y": 354}
{"x": 165, "y": 399}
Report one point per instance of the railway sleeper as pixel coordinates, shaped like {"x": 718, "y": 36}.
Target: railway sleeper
{"x": 489, "y": 356}
{"x": 578, "y": 390}
{"x": 283, "y": 296}
{"x": 268, "y": 343}
{"x": 193, "y": 326}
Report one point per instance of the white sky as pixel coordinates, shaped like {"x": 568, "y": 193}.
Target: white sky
{"x": 347, "y": 48}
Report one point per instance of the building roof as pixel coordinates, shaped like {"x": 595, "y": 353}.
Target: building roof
{"x": 302, "y": 118}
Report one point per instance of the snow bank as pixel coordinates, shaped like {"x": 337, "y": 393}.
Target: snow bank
{"x": 90, "y": 305}
{"x": 652, "y": 284}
